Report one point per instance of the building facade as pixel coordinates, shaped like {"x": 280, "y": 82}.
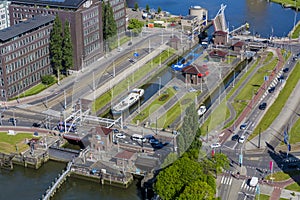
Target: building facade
{"x": 24, "y": 55}
{"x": 201, "y": 14}
{"x": 119, "y": 11}
{"x": 84, "y": 16}
{"x": 4, "y": 14}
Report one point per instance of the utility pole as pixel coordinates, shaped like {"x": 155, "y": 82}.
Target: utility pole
{"x": 259, "y": 137}
{"x": 65, "y": 105}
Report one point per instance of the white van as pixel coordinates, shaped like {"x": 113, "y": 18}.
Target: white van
{"x": 138, "y": 138}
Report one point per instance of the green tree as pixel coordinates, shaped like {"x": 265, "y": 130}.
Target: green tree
{"x": 47, "y": 79}
{"x": 197, "y": 190}
{"x": 147, "y": 8}
{"x": 109, "y": 24}
{"x": 56, "y": 41}
{"x": 67, "y": 48}
{"x": 136, "y": 6}
{"x": 159, "y": 10}
{"x": 135, "y": 25}
{"x": 171, "y": 157}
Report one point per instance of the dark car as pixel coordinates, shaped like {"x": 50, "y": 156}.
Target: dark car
{"x": 262, "y": 106}
{"x": 271, "y": 90}
{"x": 235, "y": 137}
{"x": 36, "y": 125}
{"x": 244, "y": 126}
{"x": 285, "y": 70}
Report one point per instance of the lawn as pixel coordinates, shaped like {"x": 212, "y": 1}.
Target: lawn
{"x": 281, "y": 176}
{"x": 10, "y": 143}
{"x": 156, "y": 104}
{"x": 295, "y": 34}
{"x": 262, "y": 197}
{"x": 294, "y": 187}
{"x": 131, "y": 80}
{"x": 175, "y": 111}
{"x": 294, "y": 137}
{"x": 277, "y": 106}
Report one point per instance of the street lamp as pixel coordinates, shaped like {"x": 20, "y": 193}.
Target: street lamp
{"x": 159, "y": 85}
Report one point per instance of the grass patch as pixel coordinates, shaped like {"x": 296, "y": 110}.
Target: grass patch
{"x": 262, "y": 197}
{"x": 294, "y": 137}
{"x": 295, "y": 33}
{"x": 158, "y": 102}
{"x": 175, "y": 111}
{"x": 219, "y": 115}
{"x": 10, "y": 143}
{"x": 135, "y": 77}
{"x": 277, "y": 106}
{"x": 268, "y": 58}
{"x": 294, "y": 187}
{"x": 282, "y": 176}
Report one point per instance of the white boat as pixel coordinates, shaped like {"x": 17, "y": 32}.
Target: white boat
{"x": 128, "y": 101}
{"x": 201, "y": 110}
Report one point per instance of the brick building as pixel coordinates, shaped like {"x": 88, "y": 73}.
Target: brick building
{"x": 24, "y": 55}
{"x": 194, "y": 74}
{"x": 85, "y": 17}
{"x": 101, "y": 138}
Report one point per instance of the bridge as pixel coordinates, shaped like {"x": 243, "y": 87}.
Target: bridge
{"x": 58, "y": 181}
{"x": 219, "y": 20}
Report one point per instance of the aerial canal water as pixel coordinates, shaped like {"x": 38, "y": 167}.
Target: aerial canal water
{"x": 264, "y": 18}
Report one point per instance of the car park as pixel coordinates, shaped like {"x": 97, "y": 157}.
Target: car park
{"x": 253, "y": 181}
{"x": 215, "y": 145}
{"x": 262, "y": 106}
{"x": 242, "y": 139}
{"x": 120, "y": 135}
{"x": 235, "y": 137}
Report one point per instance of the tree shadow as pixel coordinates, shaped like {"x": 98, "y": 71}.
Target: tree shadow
{"x": 285, "y": 161}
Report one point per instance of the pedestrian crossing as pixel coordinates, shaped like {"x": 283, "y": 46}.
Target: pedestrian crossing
{"x": 226, "y": 180}
{"x": 246, "y": 188}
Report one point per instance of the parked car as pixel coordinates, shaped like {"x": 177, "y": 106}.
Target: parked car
{"x": 242, "y": 139}
{"x": 153, "y": 141}
{"x": 253, "y": 182}
{"x": 235, "y": 137}
{"x": 176, "y": 88}
{"x": 262, "y": 106}
{"x": 36, "y": 125}
{"x": 215, "y": 145}
{"x": 120, "y": 135}
{"x": 192, "y": 90}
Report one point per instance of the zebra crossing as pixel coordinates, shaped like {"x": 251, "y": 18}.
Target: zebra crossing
{"x": 227, "y": 178}
{"x": 246, "y": 188}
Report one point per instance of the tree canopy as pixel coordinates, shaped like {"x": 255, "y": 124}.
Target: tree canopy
{"x": 135, "y": 25}
{"x": 109, "y": 24}
{"x": 56, "y": 42}
{"x": 67, "y": 48}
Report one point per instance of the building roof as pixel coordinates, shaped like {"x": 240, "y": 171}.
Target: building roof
{"x": 103, "y": 130}
{"x": 217, "y": 53}
{"x": 125, "y": 154}
{"x": 220, "y": 33}
{"x": 54, "y": 3}
{"x": 196, "y": 70}
{"x": 23, "y": 27}
{"x": 239, "y": 44}
{"x": 189, "y": 17}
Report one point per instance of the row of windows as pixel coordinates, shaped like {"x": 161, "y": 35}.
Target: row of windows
{"x": 90, "y": 22}
{"x": 17, "y": 87}
{"x": 90, "y": 14}
{"x": 114, "y": 2}
{"x": 24, "y": 41}
{"x": 91, "y": 48}
{"x": 118, "y": 7}
{"x": 26, "y": 71}
{"x": 28, "y": 49}
{"x": 27, "y": 59}
{"x": 120, "y": 14}
{"x": 91, "y": 29}
{"x": 38, "y": 11}
{"x": 90, "y": 39}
